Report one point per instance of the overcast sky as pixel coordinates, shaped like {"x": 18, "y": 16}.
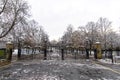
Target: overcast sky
{"x": 55, "y": 15}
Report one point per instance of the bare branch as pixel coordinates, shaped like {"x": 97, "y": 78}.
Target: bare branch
{"x": 4, "y": 6}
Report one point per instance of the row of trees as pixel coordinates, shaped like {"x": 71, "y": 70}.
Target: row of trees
{"x": 15, "y": 23}
{"x": 29, "y": 34}
{"x": 93, "y": 31}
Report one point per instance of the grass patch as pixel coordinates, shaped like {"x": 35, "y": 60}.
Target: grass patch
{"x": 2, "y": 53}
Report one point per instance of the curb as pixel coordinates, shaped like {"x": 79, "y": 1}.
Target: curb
{"x": 108, "y": 68}
{"x": 5, "y": 66}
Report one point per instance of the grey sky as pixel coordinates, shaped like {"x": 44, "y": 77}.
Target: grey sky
{"x": 55, "y": 15}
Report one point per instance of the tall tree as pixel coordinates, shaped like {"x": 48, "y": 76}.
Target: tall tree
{"x": 67, "y": 37}
{"x": 11, "y": 13}
{"x": 92, "y": 31}
{"x": 104, "y": 28}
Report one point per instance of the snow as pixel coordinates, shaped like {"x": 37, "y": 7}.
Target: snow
{"x": 55, "y": 55}
{"x": 107, "y": 61}
{"x": 15, "y": 51}
{"x": 51, "y": 77}
{"x": 58, "y": 70}
{"x": 78, "y": 64}
{"x": 26, "y": 70}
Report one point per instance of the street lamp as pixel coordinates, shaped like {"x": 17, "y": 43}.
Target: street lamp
{"x": 111, "y": 52}
{"x": 62, "y": 51}
{"x": 9, "y": 46}
{"x": 19, "y": 47}
{"x": 87, "y": 48}
{"x": 45, "y": 48}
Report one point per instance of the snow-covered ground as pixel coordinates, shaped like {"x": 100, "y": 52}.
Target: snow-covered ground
{"x": 57, "y": 70}
{"x": 108, "y": 61}
{"x": 23, "y": 51}
{"x": 15, "y": 51}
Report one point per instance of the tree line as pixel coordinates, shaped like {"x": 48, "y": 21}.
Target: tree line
{"x": 99, "y": 31}
{"x": 16, "y": 23}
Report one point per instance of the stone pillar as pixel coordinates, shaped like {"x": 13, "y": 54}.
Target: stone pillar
{"x": 98, "y": 50}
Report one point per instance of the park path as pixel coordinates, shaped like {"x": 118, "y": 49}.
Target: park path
{"x": 56, "y": 69}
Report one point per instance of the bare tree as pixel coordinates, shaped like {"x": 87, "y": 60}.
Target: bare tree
{"x": 112, "y": 40}
{"x": 92, "y": 31}
{"x": 67, "y": 37}
{"x": 104, "y": 28}
{"x": 11, "y": 13}
{"x": 77, "y": 39}
{"x": 30, "y": 31}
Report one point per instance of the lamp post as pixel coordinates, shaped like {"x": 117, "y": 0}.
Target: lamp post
{"x": 19, "y": 48}
{"x": 87, "y": 48}
{"x": 20, "y": 40}
{"x": 62, "y": 51}
{"x": 111, "y": 52}
{"x": 90, "y": 43}
{"x": 45, "y": 48}
{"x": 9, "y": 46}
